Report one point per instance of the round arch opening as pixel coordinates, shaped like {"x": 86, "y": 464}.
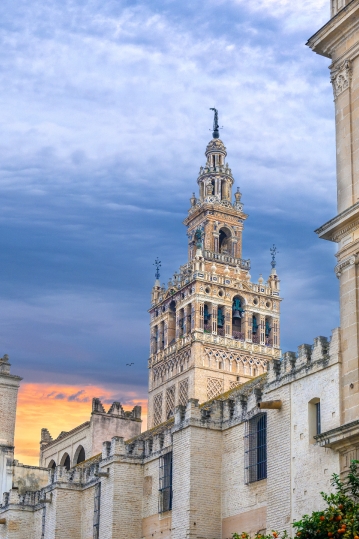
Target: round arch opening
{"x": 80, "y": 455}
{"x": 65, "y": 461}
{"x": 225, "y": 243}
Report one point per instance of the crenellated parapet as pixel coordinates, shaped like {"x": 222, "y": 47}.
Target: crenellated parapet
{"x": 308, "y": 359}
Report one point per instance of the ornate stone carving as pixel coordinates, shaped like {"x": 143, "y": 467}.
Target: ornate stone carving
{"x": 183, "y": 392}
{"x": 350, "y": 261}
{"x": 341, "y": 77}
{"x": 214, "y": 387}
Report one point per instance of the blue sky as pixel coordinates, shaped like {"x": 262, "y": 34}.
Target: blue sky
{"x": 104, "y": 122}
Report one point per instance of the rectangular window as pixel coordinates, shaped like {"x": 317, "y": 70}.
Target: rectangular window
{"x": 317, "y": 417}
{"x": 96, "y": 512}
{"x": 165, "y": 483}
{"x": 256, "y": 448}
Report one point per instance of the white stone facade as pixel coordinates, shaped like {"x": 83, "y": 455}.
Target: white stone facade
{"x": 211, "y": 497}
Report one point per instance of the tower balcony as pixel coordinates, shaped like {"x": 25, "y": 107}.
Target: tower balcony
{"x": 237, "y": 342}
{"x": 227, "y": 259}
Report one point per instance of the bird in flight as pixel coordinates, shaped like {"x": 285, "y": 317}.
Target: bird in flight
{"x": 129, "y": 364}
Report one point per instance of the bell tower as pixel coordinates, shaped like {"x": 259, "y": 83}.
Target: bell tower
{"x": 212, "y": 329}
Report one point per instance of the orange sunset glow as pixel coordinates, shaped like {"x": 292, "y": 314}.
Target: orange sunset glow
{"x": 59, "y": 408}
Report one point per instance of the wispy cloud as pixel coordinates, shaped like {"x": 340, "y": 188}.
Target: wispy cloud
{"x": 104, "y": 121}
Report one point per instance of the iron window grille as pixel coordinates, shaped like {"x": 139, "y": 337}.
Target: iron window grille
{"x": 317, "y": 417}
{"x": 96, "y": 512}
{"x": 256, "y": 448}
{"x": 165, "y": 483}
{"x": 43, "y": 522}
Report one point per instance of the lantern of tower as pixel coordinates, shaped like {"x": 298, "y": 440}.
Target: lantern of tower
{"x": 212, "y": 329}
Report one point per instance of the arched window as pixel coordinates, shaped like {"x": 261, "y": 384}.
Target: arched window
{"x": 220, "y": 321}
{"x": 268, "y": 331}
{"x": 207, "y": 319}
{"x": 255, "y": 326}
{"x": 65, "y": 461}
{"x": 171, "y": 328}
{"x": 237, "y": 315}
{"x": 220, "y": 317}
{"x": 314, "y": 419}
{"x": 181, "y": 323}
{"x": 79, "y": 455}
{"x": 52, "y": 465}
{"x": 225, "y": 241}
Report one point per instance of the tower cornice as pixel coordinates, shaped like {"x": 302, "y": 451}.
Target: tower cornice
{"x": 214, "y": 210}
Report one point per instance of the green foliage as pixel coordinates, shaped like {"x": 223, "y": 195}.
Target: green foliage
{"x": 340, "y": 520}
{"x": 274, "y": 534}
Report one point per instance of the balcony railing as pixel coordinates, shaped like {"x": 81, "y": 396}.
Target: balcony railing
{"x": 221, "y": 332}
{"x": 238, "y": 335}
{"x": 227, "y": 259}
{"x": 207, "y": 327}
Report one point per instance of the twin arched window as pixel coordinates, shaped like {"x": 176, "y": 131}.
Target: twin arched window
{"x": 80, "y": 456}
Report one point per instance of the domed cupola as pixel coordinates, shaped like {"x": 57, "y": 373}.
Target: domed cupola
{"x": 216, "y": 153}
{"x": 216, "y": 150}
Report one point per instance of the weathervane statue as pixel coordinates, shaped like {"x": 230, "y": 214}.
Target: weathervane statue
{"x": 273, "y": 252}
{"x": 158, "y": 265}
{"x": 215, "y": 124}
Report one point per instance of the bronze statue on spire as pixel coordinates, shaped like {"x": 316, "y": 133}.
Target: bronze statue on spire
{"x": 215, "y": 124}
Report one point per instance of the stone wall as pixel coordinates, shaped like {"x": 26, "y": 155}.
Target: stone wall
{"x": 212, "y": 495}
{"x": 90, "y": 435}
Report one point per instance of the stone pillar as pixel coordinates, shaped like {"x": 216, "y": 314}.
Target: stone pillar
{"x": 121, "y": 493}
{"x": 196, "y": 508}
{"x": 228, "y": 321}
{"x": 214, "y": 319}
{"x": 344, "y": 228}
{"x": 9, "y": 385}
{"x": 199, "y": 322}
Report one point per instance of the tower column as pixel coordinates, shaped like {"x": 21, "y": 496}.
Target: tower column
{"x": 344, "y": 228}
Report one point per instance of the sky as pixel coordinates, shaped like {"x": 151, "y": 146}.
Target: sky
{"x": 105, "y": 118}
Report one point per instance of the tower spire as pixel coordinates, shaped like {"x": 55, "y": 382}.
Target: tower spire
{"x": 215, "y": 123}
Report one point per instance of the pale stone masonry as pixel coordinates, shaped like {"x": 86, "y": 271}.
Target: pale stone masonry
{"x": 89, "y": 436}
{"x": 241, "y": 437}
{"x": 211, "y": 497}
{"x": 9, "y": 385}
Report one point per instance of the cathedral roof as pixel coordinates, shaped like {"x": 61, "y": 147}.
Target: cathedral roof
{"x": 216, "y": 145}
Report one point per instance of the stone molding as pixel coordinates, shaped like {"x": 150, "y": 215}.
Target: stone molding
{"x": 341, "y": 78}
{"x": 337, "y": 237}
{"x": 341, "y": 437}
{"x": 350, "y": 261}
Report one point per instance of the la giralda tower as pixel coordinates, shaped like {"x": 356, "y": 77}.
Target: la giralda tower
{"x": 212, "y": 328}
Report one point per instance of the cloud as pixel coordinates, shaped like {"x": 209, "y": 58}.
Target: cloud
{"x": 62, "y": 412}
{"x": 104, "y": 122}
